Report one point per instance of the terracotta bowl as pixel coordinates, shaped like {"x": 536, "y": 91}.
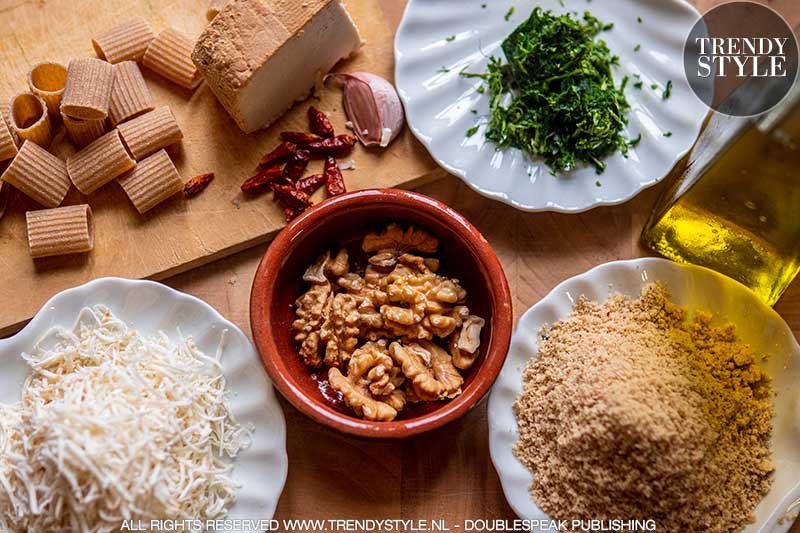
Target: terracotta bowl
{"x": 344, "y": 220}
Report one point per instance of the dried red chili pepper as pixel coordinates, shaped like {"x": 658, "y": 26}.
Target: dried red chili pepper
{"x": 291, "y": 213}
{"x": 283, "y": 181}
{"x": 296, "y": 165}
{"x": 318, "y": 123}
{"x": 197, "y": 184}
{"x": 279, "y": 154}
{"x": 310, "y": 184}
{"x": 290, "y": 197}
{"x": 262, "y": 179}
{"x": 334, "y": 181}
{"x": 300, "y": 137}
{"x": 338, "y": 146}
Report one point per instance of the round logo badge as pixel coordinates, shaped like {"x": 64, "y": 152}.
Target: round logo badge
{"x": 741, "y": 58}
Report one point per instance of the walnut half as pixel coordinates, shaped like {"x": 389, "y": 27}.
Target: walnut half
{"x": 311, "y": 310}
{"x": 429, "y": 370}
{"x": 327, "y": 323}
{"x": 464, "y": 345}
{"x": 395, "y": 239}
{"x": 370, "y": 387}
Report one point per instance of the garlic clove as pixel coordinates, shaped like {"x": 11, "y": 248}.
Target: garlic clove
{"x": 372, "y": 106}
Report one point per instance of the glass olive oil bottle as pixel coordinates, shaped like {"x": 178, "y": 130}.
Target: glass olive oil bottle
{"x": 735, "y": 207}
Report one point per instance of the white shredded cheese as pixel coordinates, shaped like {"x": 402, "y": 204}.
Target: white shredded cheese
{"x": 348, "y": 165}
{"x": 113, "y": 425}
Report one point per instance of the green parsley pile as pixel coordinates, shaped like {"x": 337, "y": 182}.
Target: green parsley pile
{"x": 564, "y": 106}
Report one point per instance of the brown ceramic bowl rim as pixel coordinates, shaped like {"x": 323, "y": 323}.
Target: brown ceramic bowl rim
{"x": 262, "y": 295}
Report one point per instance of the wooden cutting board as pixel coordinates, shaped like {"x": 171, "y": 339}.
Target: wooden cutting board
{"x": 179, "y": 234}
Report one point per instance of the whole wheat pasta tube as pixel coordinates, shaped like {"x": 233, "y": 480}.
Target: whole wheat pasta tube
{"x": 87, "y": 94}
{"x": 100, "y": 162}
{"x": 39, "y": 174}
{"x": 152, "y": 181}
{"x": 130, "y": 96}
{"x": 170, "y": 55}
{"x": 60, "y": 231}
{"x": 82, "y": 132}
{"x": 8, "y": 146}
{"x": 5, "y": 112}
{"x": 150, "y": 132}
{"x": 29, "y": 119}
{"x": 47, "y": 81}
{"x": 126, "y": 42}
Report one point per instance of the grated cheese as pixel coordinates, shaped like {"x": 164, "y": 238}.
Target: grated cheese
{"x": 113, "y": 425}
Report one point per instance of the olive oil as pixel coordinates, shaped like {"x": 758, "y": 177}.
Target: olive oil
{"x": 739, "y": 215}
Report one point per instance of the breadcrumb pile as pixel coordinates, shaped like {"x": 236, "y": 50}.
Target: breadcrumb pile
{"x": 631, "y": 411}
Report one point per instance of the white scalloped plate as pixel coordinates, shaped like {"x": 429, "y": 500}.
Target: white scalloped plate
{"x": 693, "y": 287}
{"x": 438, "y": 104}
{"x": 150, "y": 307}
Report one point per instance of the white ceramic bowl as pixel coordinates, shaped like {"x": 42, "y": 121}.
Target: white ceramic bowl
{"x": 151, "y": 307}
{"x": 439, "y": 104}
{"x": 693, "y": 287}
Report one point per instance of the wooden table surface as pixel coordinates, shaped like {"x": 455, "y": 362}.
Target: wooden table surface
{"x": 176, "y": 235}
{"x": 446, "y": 474}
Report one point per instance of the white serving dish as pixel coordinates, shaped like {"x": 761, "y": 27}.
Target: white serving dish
{"x": 698, "y": 289}
{"x": 438, "y": 104}
{"x": 151, "y": 307}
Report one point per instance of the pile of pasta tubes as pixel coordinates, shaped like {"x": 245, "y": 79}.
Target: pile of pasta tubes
{"x": 110, "y": 117}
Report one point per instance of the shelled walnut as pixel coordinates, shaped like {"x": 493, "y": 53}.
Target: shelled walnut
{"x": 391, "y": 331}
{"x": 370, "y": 387}
{"x": 429, "y": 368}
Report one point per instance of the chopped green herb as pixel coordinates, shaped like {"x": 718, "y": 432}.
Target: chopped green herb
{"x": 633, "y": 142}
{"x": 667, "y": 134}
{"x": 474, "y": 111}
{"x": 509, "y": 13}
{"x": 565, "y": 107}
{"x": 624, "y": 83}
{"x": 637, "y": 47}
{"x": 639, "y": 20}
{"x": 483, "y": 6}
{"x": 450, "y": 39}
{"x": 638, "y": 85}
{"x": 598, "y": 184}
{"x": 481, "y": 89}
{"x": 667, "y": 90}
{"x": 561, "y": 3}
{"x": 608, "y": 27}
{"x": 654, "y": 86}
{"x": 472, "y": 131}
{"x": 443, "y": 70}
